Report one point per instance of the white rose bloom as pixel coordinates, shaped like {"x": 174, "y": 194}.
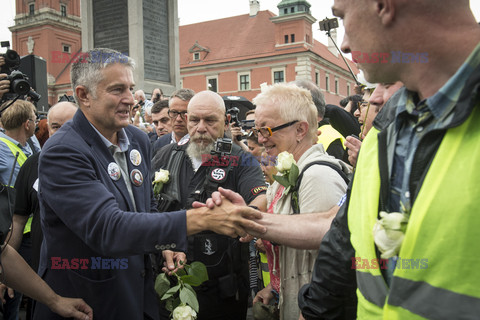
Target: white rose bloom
{"x": 161, "y": 176}
{"x": 387, "y": 233}
{"x": 392, "y": 221}
{"x": 284, "y": 162}
{"x": 184, "y": 313}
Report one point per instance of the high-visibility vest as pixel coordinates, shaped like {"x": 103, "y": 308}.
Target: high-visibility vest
{"x": 20, "y": 159}
{"x": 264, "y": 268}
{"x": 443, "y": 230}
{"x": 328, "y": 135}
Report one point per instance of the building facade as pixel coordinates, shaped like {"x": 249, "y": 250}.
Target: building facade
{"x": 234, "y": 56}
{"x": 50, "y": 29}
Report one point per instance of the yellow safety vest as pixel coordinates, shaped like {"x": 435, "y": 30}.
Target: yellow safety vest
{"x": 442, "y": 232}
{"x": 328, "y": 135}
{"x": 20, "y": 159}
{"x": 264, "y": 267}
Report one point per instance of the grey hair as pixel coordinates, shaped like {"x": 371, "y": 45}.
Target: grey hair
{"x": 291, "y": 103}
{"x": 87, "y": 70}
{"x": 183, "y": 94}
{"x": 317, "y": 95}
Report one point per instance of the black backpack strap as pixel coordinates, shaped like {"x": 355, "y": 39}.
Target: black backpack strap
{"x": 296, "y": 208}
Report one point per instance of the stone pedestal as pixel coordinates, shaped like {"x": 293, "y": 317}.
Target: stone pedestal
{"x": 145, "y": 30}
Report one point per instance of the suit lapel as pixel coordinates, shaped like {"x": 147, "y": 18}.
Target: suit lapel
{"x": 103, "y": 156}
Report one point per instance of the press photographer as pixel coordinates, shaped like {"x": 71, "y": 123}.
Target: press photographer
{"x": 240, "y": 129}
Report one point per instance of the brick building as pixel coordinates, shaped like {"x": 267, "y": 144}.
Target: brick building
{"x": 233, "y": 56}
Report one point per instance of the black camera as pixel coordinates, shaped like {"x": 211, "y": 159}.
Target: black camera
{"x": 19, "y": 84}
{"x": 233, "y": 112}
{"x": 12, "y": 60}
{"x": 223, "y": 146}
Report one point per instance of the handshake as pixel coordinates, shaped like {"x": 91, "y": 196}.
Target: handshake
{"x": 225, "y": 213}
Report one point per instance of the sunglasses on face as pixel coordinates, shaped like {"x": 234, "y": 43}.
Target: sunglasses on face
{"x": 268, "y": 132}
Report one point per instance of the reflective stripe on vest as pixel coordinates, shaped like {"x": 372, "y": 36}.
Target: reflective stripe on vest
{"x": 328, "y": 135}
{"x": 14, "y": 149}
{"x": 20, "y": 159}
{"x": 442, "y": 230}
{"x": 265, "y": 271}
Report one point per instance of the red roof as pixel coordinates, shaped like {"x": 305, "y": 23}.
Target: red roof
{"x": 239, "y": 38}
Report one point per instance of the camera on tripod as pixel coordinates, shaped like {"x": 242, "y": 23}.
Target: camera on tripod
{"x": 19, "y": 84}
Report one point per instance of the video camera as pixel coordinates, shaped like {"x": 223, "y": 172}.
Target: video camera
{"x": 223, "y": 146}
{"x": 244, "y": 124}
{"x": 19, "y": 84}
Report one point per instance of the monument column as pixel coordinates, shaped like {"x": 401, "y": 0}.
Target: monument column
{"x": 146, "y": 30}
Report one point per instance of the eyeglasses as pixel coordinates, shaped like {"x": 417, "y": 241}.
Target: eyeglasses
{"x": 268, "y": 132}
{"x": 174, "y": 114}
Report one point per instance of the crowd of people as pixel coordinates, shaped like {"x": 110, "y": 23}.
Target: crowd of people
{"x": 366, "y": 209}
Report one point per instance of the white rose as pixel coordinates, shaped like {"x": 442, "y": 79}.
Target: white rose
{"x": 393, "y": 220}
{"x": 284, "y": 162}
{"x": 184, "y": 313}
{"x": 388, "y": 234}
{"x": 161, "y": 176}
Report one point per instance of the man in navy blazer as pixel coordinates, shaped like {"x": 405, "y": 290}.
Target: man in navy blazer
{"x": 96, "y": 201}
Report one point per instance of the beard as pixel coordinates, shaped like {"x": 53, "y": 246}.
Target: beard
{"x": 199, "y": 145}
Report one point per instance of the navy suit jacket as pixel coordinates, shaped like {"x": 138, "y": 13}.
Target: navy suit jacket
{"x": 162, "y": 142}
{"x": 85, "y": 214}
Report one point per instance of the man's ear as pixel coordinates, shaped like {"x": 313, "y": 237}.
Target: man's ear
{"x": 385, "y": 10}
{"x": 82, "y": 95}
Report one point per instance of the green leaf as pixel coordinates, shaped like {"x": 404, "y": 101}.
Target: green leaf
{"x": 171, "y": 292}
{"x": 188, "y": 296}
{"x": 282, "y": 180}
{"x": 287, "y": 190}
{"x": 198, "y": 270}
{"x": 293, "y": 175}
{"x": 162, "y": 284}
{"x": 169, "y": 305}
{"x": 181, "y": 272}
{"x": 157, "y": 188}
{"x": 192, "y": 280}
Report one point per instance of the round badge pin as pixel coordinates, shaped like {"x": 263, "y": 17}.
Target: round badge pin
{"x": 114, "y": 171}
{"x": 218, "y": 174}
{"x": 135, "y": 157}
{"x": 137, "y": 177}
{"x": 182, "y": 142}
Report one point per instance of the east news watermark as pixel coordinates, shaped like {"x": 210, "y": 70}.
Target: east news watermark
{"x": 359, "y": 263}
{"x": 94, "y": 263}
{"x": 389, "y": 57}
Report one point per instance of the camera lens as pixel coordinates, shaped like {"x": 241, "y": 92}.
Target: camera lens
{"x": 20, "y": 86}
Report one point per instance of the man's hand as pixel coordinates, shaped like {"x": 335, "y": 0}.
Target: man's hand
{"x": 173, "y": 258}
{"x": 232, "y": 196}
{"x": 228, "y": 219}
{"x": 4, "y": 288}
{"x": 353, "y": 144}
{"x": 265, "y": 295}
{"x": 68, "y": 308}
{"x": 4, "y": 84}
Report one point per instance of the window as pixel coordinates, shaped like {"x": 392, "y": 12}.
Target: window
{"x": 66, "y": 48}
{"x": 196, "y": 56}
{"x": 316, "y": 77}
{"x": 212, "y": 84}
{"x": 244, "y": 81}
{"x": 348, "y": 89}
{"x": 285, "y": 11}
{"x": 31, "y": 9}
{"x": 307, "y": 38}
{"x": 278, "y": 76}
{"x": 292, "y": 9}
{"x": 286, "y": 38}
{"x": 292, "y": 38}
{"x": 327, "y": 82}
{"x": 63, "y": 10}
{"x": 336, "y": 86}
